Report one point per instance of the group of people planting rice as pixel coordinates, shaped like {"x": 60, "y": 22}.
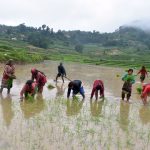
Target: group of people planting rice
{"x": 38, "y": 80}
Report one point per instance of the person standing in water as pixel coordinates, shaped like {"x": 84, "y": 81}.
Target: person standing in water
{"x": 143, "y": 73}
{"x": 40, "y": 78}
{"x": 61, "y": 72}
{"x": 8, "y": 76}
{"x": 98, "y": 85}
{"x": 76, "y": 87}
{"x": 127, "y": 86}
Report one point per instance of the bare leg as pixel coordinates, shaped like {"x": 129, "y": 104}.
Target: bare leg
{"x": 57, "y": 78}
{"x": 62, "y": 78}
{"x": 96, "y": 94}
{"x": 128, "y": 96}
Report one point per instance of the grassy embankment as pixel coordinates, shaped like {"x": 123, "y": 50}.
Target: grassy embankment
{"x": 92, "y": 54}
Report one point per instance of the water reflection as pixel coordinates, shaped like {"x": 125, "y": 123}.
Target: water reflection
{"x": 96, "y": 108}
{"x": 30, "y": 109}
{"x": 74, "y": 107}
{"x": 7, "y": 111}
{"x": 124, "y": 115}
{"x": 144, "y": 114}
{"x": 60, "y": 90}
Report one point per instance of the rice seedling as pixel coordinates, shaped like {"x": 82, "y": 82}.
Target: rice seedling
{"x": 139, "y": 90}
{"x": 50, "y": 86}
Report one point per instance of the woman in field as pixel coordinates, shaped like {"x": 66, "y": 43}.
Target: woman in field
{"x": 127, "y": 86}
{"x": 40, "y": 79}
{"x": 98, "y": 86}
{"x": 143, "y": 73}
{"x": 8, "y": 76}
{"x": 76, "y": 87}
{"x": 29, "y": 88}
{"x": 145, "y": 93}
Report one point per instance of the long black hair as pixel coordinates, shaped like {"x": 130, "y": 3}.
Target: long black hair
{"x": 29, "y": 83}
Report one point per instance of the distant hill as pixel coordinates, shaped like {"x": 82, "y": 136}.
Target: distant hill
{"x": 128, "y": 43}
{"x": 45, "y": 37}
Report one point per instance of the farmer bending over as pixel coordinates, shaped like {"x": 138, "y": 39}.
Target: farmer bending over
{"x": 145, "y": 93}
{"x": 40, "y": 78}
{"x": 98, "y": 86}
{"x": 76, "y": 87}
{"x": 29, "y": 88}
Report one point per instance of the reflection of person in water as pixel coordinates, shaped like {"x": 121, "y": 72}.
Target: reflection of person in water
{"x": 124, "y": 115}
{"x": 30, "y": 109}
{"x": 96, "y": 108}
{"x": 60, "y": 90}
{"x": 7, "y": 111}
{"x": 144, "y": 114}
{"x": 73, "y": 107}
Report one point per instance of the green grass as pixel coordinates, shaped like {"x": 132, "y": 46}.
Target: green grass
{"x": 94, "y": 54}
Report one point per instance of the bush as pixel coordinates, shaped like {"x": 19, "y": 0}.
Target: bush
{"x": 79, "y": 48}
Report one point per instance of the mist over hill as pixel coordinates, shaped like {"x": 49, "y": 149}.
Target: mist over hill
{"x": 141, "y": 24}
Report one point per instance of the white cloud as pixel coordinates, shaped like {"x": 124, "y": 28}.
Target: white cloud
{"x": 101, "y": 15}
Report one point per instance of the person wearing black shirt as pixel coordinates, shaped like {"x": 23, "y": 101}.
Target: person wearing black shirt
{"x": 76, "y": 87}
{"x": 61, "y": 72}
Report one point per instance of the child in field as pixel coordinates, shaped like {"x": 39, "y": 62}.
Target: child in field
{"x": 29, "y": 88}
{"x": 145, "y": 93}
{"x": 143, "y": 73}
{"x": 98, "y": 86}
{"x": 127, "y": 86}
{"x": 76, "y": 87}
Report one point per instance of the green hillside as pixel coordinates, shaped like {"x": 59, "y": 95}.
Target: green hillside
{"x": 127, "y": 46}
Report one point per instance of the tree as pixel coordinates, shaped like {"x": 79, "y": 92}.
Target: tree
{"x": 79, "y": 48}
{"x": 43, "y": 26}
{"x": 22, "y": 28}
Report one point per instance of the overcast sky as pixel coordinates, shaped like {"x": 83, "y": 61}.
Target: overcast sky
{"x": 100, "y": 15}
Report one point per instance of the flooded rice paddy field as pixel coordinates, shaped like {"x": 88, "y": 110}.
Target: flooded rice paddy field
{"x": 52, "y": 122}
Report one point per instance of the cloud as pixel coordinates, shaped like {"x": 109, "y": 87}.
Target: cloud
{"x": 101, "y": 15}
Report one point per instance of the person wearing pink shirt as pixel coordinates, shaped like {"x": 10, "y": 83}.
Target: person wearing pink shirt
{"x": 29, "y": 88}
{"x": 8, "y": 76}
{"x": 40, "y": 79}
{"x": 145, "y": 93}
{"x": 98, "y": 85}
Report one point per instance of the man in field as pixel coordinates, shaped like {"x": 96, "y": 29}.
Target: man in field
{"x": 61, "y": 72}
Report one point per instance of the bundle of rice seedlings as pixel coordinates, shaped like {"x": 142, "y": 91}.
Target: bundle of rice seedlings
{"x": 139, "y": 89}
{"x": 50, "y": 86}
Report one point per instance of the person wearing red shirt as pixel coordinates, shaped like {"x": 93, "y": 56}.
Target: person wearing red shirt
{"x": 143, "y": 73}
{"x": 98, "y": 85}
{"x": 145, "y": 93}
{"x": 40, "y": 79}
{"x": 29, "y": 88}
{"x": 8, "y": 76}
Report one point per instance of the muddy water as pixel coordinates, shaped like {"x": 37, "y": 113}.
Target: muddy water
{"x": 53, "y": 122}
